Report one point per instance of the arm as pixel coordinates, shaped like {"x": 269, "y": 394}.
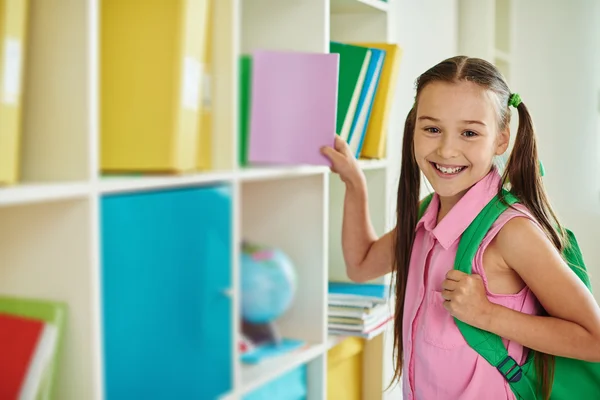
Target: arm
{"x": 367, "y": 256}
{"x": 573, "y": 327}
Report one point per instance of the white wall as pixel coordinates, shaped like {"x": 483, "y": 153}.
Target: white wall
{"x": 426, "y": 30}
{"x": 557, "y": 73}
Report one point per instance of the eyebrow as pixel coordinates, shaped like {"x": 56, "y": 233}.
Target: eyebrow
{"x": 426, "y": 117}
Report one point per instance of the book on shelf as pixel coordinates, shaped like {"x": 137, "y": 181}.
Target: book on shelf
{"x": 354, "y": 63}
{"x": 292, "y": 106}
{"x": 14, "y": 21}
{"x": 152, "y": 125}
{"x": 27, "y": 346}
{"x": 358, "y": 309}
{"x": 367, "y": 85}
{"x": 30, "y": 334}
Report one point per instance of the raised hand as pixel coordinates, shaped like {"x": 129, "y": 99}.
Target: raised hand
{"x": 344, "y": 163}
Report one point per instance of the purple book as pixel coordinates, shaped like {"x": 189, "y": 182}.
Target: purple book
{"x": 293, "y": 107}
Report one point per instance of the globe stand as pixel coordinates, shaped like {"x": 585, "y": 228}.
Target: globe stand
{"x": 266, "y": 333}
{"x": 266, "y": 342}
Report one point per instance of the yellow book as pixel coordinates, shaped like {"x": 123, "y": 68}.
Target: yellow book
{"x": 13, "y": 42}
{"x": 151, "y": 73}
{"x": 375, "y": 141}
{"x": 205, "y": 142}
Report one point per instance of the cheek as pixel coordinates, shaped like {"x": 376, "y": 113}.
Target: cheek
{"x": 421, "y": 147}
{"x": 481, "y": 155}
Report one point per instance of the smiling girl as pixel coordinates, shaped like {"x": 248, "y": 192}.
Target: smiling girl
{"x": 520, "y": 289}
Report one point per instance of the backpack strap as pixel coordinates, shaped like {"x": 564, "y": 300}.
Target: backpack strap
{"x": 424, "y": 204}
{"x": 487, "y": 344}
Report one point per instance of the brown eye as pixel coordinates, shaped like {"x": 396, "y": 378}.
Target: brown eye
{"x": 469, "y": 133}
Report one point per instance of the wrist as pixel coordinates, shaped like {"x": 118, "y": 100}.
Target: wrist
{"x": 487, "y": 318}
{"x": 357, "y": 184}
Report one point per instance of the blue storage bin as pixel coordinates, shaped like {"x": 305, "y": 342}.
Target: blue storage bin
{"x": 166, "y": 270}
{"x": 290, "y": 386}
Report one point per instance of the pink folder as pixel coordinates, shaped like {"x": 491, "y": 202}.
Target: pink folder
{"x": 293, "y": 107}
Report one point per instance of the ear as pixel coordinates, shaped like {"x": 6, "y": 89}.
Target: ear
{"x": 503, "y": 141}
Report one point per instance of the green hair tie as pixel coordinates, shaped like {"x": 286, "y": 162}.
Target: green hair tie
{"x": 514, "y": 100}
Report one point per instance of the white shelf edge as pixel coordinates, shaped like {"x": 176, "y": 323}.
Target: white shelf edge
{"x": 30, "y": 193}
{"x": 124, "y": 184}
{"x": 359, "y": 6}
{"x": 121, "y": 184}
{"x": 265, "y": 173}
{"x": 254, "y": 376}
{"x": 334, "y": 340}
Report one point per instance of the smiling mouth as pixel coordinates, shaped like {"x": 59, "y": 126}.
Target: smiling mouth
{"x": 448, "y": 169}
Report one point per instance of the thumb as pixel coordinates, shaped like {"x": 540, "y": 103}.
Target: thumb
{"x": 341, "y": 145}
{"x": 332, "y": 154}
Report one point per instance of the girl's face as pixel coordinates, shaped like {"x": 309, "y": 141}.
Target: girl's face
{"x": 456, "y": 136}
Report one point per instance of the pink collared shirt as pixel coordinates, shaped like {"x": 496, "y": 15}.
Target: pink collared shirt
{"x": 438, "y": 363}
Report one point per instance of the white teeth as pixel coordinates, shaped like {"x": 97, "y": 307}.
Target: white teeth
{"x": 449, "y": 170}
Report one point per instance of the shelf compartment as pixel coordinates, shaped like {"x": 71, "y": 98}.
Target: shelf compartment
{"x": 45, "y": 254}
{"x": 289, "y": 215}
{"x": 377, "y": 198}
{"x": 166, "y": 293}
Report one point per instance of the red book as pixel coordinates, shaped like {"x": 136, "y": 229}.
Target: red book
{"x": 26, "y": 346}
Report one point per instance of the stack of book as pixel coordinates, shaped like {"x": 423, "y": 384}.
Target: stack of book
{"x": 367, "y": 84}
{"x": 358, "y": 309}
{"x": 293, "y": 103}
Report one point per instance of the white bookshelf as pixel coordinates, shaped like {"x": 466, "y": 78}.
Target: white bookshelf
{"x": 50, "y": 221}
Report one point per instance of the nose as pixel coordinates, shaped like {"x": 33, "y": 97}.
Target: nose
{"x": 447, "y": 147}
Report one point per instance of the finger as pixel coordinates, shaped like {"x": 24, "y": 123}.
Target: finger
{"x": 447, "y": 295}
{"x": 449, "y": 285}
{"x": 332, "y": 154}
{"x": 448, "y": 306}
{"x": 341, "y": 145}
{"x": 455, "y": 275}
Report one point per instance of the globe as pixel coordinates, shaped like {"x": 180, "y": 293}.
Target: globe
{"x": 268, "y": 283}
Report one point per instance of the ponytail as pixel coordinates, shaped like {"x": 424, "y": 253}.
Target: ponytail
{"x": 406, "y": 214}
{"x": 525, "y": 179}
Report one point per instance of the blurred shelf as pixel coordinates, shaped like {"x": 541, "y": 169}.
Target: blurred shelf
{"x": 359, "y": 6}
{"x": 275, "y": 172}
{"x": 372, "y": 164}
{"x": 254, "y": 376}
{"x": 27, "y": 193}
{"x": 133, "y": 183}
{"x": 121, "y": 184}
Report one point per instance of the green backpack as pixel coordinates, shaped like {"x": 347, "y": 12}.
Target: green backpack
{"x": 573, "y": 379}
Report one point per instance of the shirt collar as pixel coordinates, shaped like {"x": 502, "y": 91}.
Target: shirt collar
{"x": 452, "y": 226}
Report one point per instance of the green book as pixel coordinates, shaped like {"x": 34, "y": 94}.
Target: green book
{"x": 245, "y": 86}
{"x": 354, "y": 62}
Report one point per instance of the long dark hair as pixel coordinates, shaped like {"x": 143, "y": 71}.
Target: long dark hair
{"x": 522, "y": 173}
